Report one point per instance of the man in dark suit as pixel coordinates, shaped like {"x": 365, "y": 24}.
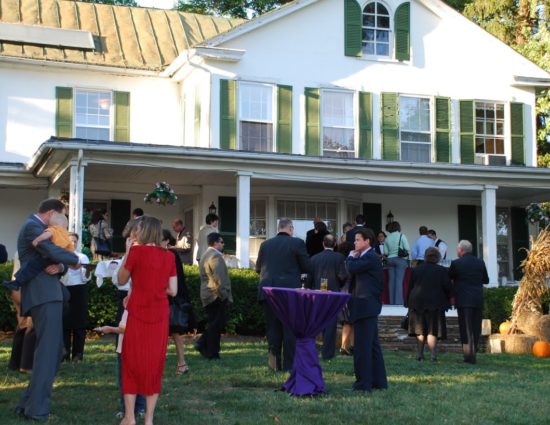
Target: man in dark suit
{"x": 468, "y": 274}
{"x": 42, "y": 299}
{"x": 329, "y": 265}
{"x": 215, "y": 295}
{"x": 365, "y": 306}
{"x": 281, "y": 261}
{"x": 359, "y": 224}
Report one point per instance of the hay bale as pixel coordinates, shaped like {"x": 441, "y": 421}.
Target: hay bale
{"x": 515, "y": 344}
{"x": 534, "y": 323}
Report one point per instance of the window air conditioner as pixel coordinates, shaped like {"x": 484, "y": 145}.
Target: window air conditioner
{"x": 495, "y": 160}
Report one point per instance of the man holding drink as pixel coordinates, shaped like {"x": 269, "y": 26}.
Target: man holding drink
{"x": 328, "y": 272}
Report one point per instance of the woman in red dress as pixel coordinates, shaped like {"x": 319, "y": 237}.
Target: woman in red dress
{"x": 153, "y": 274}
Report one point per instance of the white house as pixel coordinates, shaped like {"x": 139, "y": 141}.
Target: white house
{"x": 320, "y": 108}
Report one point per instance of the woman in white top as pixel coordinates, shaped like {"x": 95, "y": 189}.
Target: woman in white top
{"x": 75, "y": 318}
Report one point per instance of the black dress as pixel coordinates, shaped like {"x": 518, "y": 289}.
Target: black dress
{"x": 427, "y": 300}
{"x": 182, "y": 297}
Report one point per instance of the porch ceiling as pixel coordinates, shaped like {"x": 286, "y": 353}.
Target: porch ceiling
{"x": 126, "y": 167}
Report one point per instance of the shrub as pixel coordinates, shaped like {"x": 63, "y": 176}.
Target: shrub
{"x": 7, "y": 311}
{"x": 497, "y": 305}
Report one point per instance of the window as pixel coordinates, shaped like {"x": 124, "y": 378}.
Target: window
{"x": 376, "y": 30}
{"x": 256, "y": 117}
{"x": 93, "y": 114}
{"x": 415, "y": 130}
{"x": 302, "y": 214}
{"x": 258, "y": 225}
{"x": 337, "y": 121}
{"x": 489, "y": 128}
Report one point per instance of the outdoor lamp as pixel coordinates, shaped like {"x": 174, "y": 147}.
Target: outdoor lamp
{"x": 389, "y": 218}
{"x": 212, "y": 208}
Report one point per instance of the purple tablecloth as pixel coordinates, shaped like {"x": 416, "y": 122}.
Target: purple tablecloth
{"x": 306, "y": 313}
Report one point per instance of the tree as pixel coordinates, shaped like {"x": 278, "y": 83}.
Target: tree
{"x": 230, "y": 8}
{"x": 523, "y": 25}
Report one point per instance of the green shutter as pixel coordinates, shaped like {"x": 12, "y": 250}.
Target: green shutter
{"x": 390, "y": 127}
{"x": 403, "y": 32}
{"x": 520, "y": 238}
{"x": 365, "y": 125}
{"x": 121, "y": 101}
{"x": 284, "y": 119}
{"x": 442, "y": 129}
{"x": 467, "y": 225}
{"x": 197, "y": 117}
{"x": 313, "y": 118}
{"x": 352, "y": 28}
{"x": 516, "y": 115}
{"x": 467, "y": 136}
{"x": 228, "y": 114}
{"x": 64, "y": 112}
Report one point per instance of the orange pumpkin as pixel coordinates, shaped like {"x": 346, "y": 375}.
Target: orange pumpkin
{"x": 541, "y": 349}
{"x": 505, "y": 327}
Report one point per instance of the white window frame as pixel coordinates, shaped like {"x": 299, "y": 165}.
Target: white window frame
{"x": 354, "y": 117}
{"x": 430, "y": 132}
{"x": 390, "y": 31}
{"x": 502, "y": 137}
{"x": 273, "y": 121}
{"x": 110, "y": 127}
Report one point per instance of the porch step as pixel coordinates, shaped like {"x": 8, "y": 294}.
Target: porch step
{"x": 392, "y": 337}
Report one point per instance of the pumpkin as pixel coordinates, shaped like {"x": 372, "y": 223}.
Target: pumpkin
{"x": 541, "y": 349}
{"x": 505, "y": 327}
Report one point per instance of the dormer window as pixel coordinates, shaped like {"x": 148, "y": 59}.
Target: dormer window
{"x": 376, "y": 30}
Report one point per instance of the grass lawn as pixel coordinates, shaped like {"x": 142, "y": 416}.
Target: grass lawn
{"x": 239, "y": 389}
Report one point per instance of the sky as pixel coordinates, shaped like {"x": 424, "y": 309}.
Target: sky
{"x": 159, "y": 4}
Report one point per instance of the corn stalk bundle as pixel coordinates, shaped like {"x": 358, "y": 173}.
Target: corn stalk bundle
{"x": 527, "y": 308}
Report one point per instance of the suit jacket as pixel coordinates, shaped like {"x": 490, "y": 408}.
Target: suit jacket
{"x": 3, "y": 254}
{"x": 429, "y": 289}
{"x": 215, "y": 281}
{"x": 469, "y": 274}
{"x": 367, "y": 285}
{"x": 314, "y": 242}
{"x": 331, "y": 265}
{"x": 280, "y": 262}
{"x": 44, "y": 287}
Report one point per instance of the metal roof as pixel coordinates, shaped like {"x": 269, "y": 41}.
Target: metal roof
{"x": 124, "y": 37}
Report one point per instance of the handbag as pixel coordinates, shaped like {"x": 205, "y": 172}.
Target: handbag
{"x": 405, "y": 322}
{"x": 102, "y": 247}
{"x": 180, "y": 314}
{"x": 401, "y": 252}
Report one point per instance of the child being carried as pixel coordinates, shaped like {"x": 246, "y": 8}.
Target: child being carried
{"x": 58, "y": 233}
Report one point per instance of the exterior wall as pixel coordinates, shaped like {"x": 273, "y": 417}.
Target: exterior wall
{"x": 28, "y": 104}
{"x": 449, "y": 57}
{"x": 17, "y": 205}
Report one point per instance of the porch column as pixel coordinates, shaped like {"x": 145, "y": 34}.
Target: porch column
{"x": 489, "y": 219}
{"x": 243, "y": 218}
{"x": 76, "y": 197}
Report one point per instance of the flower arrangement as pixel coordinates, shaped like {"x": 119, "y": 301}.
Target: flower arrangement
{"x": 539, "y": 213}
{"x": 162, "y": 194}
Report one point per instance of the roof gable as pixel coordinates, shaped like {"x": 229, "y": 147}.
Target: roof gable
{"x": 124, "y": 37}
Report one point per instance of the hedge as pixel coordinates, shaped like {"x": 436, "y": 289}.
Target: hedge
{"x": 245, "y": 316}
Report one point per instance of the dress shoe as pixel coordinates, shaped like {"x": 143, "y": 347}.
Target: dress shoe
{"x": 19, "y": 411}
{"x": 38, "y": 418}
{"x": 345, "y": 352}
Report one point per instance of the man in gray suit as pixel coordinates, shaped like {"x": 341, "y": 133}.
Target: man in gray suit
{"x": 329, "y": 265}
{"x": 215, "y": 296}
{"x": 280, "y": 262}
{"x": 42, "y": 299}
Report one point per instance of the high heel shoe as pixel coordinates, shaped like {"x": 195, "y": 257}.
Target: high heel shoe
{"x": 182, "y": 369}
{"x": 420, "y": 358}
